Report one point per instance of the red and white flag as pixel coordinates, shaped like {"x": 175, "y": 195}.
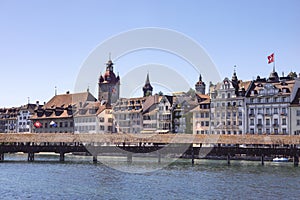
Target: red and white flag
{"x": 271, "y": 58}
{"x": 37, "y": 124}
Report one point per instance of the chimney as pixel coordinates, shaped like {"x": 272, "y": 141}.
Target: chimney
{"x": 68, "y": 92}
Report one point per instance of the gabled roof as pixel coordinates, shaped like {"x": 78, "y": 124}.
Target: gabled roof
{"x": 64, "y": 100}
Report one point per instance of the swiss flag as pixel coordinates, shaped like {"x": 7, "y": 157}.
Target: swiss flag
{"x": 271, "y": 58}
{"x": 37, "y": 124}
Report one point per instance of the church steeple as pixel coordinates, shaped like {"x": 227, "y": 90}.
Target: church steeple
{"x": 147, "y": 89}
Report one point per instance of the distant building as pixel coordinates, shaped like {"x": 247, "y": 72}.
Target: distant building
{"x": 56, "y": 116}
{"x": 201, "y": 115}
{"x": 228, "y": 106}
{"x": 24, "y": 124}
{"x": 127, "y": 114}
{"x": 93, "y": 117}
{"x": 294, "y": 111}
{"x": 271, "y": 105}
{"x": 8, "y": 120}
{"x": 109, "y": 85}
{"x": 157, "y": 114}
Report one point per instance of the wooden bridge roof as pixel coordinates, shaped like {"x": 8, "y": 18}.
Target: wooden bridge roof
{"x": 151, "y": 138}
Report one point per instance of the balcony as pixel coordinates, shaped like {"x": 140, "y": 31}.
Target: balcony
{"x": 283, "y": 114}
{"x": 259, "y": 125}
{"x": 251, "y": 115}
{"x": 275, "y": 125}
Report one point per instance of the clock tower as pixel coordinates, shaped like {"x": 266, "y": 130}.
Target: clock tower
{"x": 109, "y": 85}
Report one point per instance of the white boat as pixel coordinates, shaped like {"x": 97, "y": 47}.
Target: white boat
{"x": 282, "y": 159}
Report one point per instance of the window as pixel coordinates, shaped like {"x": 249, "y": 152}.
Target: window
{"x": 284, "y": 131}
{"x": 60, "y": 124}
{"x": 267, "y": 121}
{"x": 275, "y": 121}
{"x": 71, "y": 124}
{"x": 260, "y": 121}
{"x": 284, "y": 121}
{"x": 110, "y": 120}
{"x": 298, "y": 112}
{"x": 268, "y": 131}
{"x": 268, "y": 111}
{"x": 283, "y": 110}
{"x": 102, "y": 128}
{"x": 298, "y": 122}
{"x": 101, "y": 119}
{"x": 276, "y": 131}
{"x": 275, "y": 110}
{"x": 259, "y": 131}
{"x": 252, "y": 122}
{"x": 267, "y": 100}
{"x": 251, "y": 131}
{"x": 66, "y": 124}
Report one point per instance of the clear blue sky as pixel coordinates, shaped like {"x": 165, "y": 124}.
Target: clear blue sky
{"x": 44, "y": 43}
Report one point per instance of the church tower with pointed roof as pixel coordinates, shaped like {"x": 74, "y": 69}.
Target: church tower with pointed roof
{"x": 200, "y": 86}
{"x": 147, "y": 89}
{"x": 109, "y": 85}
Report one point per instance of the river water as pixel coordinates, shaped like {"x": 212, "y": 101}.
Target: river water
{"x": 80, "y": 178}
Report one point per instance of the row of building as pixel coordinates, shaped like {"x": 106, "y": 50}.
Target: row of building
{"x": 262, "y": 106}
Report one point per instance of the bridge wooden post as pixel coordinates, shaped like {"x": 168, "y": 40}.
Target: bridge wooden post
{"x": 1, "y": 156}
{"x": 159, "y": 157}
{"x": 193, "y": 155}
{"x": 228, "y": 159}
{"x": 129, "y": 157}
{"x": 95, "y": 159}
{"x": 30, "y": 156}
{"x": 61, "y": 156}
{"x": 296, "y": 160}
{"x": 262, "y": 159}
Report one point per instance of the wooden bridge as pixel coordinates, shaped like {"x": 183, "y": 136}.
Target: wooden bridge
{"x": 186, "y": 145}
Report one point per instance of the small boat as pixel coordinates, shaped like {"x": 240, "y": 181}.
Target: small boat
{"x": 282, "y": 159}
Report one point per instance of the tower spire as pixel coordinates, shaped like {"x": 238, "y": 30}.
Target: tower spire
{"x": 147, "y": 89}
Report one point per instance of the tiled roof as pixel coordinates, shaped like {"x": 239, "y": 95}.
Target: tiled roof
{"x": 64, "y": 100}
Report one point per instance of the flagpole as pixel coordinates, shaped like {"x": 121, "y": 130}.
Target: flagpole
{"x": 274, "y": 62}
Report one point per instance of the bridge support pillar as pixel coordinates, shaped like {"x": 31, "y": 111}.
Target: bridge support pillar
{"x": 95, "y": 159}
{"x": 228, "y": 159}
{"x": 61, "y": 156}
{"x": 193, "y": 156}
{"x": 1, "y": 156}
{"x": 30, "y": 157}
{"x": 129, "y": 157}
{"x": 159, "y": 157}
{"x": 296, "y": 160}
{"x": 262, "y": 159}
